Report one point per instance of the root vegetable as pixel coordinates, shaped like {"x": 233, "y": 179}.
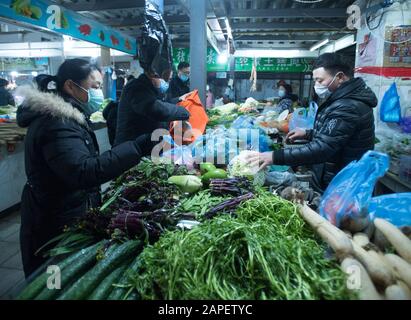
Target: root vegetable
{"x": 367, "y": 290}
{"x": 394, "y": 235}
{"x": 400, "y": 268}
{"x": 375, "y": 266}
{"x": 397, "y": 292}
{"x": 336, "y": 238}
{"x": 361, "y": 239}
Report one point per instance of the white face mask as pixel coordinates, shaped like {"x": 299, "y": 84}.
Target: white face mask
{"x": 281, "y": 93}
{"x": 324, "y": 91}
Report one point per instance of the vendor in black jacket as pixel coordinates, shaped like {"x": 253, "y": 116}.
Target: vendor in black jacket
{"x": 344, "y": 125}
{"x": 63, "y": 166}
{"x": 179, "y": 85}
{"x": 6, "y": 98}
{"x": 141, "y": 110}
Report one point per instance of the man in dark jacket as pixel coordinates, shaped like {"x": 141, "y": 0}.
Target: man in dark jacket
{"x": 110, "y": 115}
{"x": 344, "y": 125}
{"x": 179, "y": 85}
{"x": 6, "y": 98}
{"x": 141, "y": 110}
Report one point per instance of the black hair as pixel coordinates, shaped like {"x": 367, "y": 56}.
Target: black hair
{"x": 334, "y": 63}
{"x": 183, "y": 65}
{"x": 130, "y": 77}
{"x": 288, "y": 88}
{"x": 3, "y": 82}
{"x": 76, "y": 70}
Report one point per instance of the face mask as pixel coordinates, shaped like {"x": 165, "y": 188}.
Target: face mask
{"x": 95, "y": 99}
{"x": 323, "y": 91}
{"x": 163, "y": 86}
{"x": 281, "y": 93}
{"x": 184, "y": 77}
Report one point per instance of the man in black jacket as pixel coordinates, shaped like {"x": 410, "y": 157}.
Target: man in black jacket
{"x": 344, "y": 125}
{"x": 179, "y": 85}
{"x": 141, "y": 110}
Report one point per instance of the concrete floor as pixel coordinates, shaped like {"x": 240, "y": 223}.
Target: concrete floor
{"x": 11, "y": 268}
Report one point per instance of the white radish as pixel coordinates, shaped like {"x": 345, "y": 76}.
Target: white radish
{"x": 361, "y": 239}
{"x": 360, "y": 280}
{"x": 375, "y": 266}
{"x": 397, "y": 292}
{"x": 399, "y": 241}
{"x": 335, "y": 237}
{"x": 400, "y": 268}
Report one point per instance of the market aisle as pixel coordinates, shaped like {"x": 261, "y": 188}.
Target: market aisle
{"x": 11, "y": 268}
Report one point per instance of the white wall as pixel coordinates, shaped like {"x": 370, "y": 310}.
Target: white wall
{"x": 380, "y": 84}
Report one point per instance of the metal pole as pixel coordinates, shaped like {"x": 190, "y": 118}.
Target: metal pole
{"x": 198, "y": 47}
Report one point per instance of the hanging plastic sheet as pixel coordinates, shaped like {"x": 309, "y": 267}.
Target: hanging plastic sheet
{"x": 154, "y": 45}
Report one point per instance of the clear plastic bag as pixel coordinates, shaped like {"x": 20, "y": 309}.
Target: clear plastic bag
{"x": 304, "y": 118}
{"x": 390, "y": 105}
{"x": 396, "y": 208}
{"x": 350, "y": 192}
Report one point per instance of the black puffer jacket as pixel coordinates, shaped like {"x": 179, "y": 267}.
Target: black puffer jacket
{"x": 141, "y": 111}
{"x": 63, "y": 167}
{"x": 343, "y": 132}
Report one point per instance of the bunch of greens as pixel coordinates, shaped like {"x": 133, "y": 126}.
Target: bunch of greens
{"x": 267, "y": 252}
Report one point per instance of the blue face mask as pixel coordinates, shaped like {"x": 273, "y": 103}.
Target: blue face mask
{"x": 183, "y": 77}
{"x": 94, "y": 100}
{"x": 163, "y": 86}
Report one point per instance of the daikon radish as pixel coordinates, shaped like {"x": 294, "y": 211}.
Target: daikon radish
{"x": 400, "y": 268}
{"x": 335, "y": 237}
{"x": 376, "y": 268}
{"x": 399, "y": 241}
{"x": 396, "y": 292}
{"x": 361, "y": 239}
{"x": 366, "y": 290}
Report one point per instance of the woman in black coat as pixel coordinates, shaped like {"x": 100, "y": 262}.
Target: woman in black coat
{"x": 63, "y": 166}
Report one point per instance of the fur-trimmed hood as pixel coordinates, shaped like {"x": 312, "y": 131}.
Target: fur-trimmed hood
{"x": 37, "y": 103}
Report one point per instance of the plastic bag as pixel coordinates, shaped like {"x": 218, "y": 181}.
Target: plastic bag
{"x": 243, "y": 122}
{"x": 180, "y": 155}
{"x": 396, "y": 208}
{"x": 154, "y": 51}
{"x": 350, "y": 192}
{"x": 390, "y": 105}
{"x": 198, "y": 118}
{"x": 304, "y": 118}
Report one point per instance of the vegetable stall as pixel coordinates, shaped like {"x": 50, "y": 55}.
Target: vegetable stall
{"x": 187, "y": 230}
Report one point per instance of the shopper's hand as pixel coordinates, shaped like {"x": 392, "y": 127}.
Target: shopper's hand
{"x": 145, "y": 144}
{"x": 260, "y": 160}
{"x": 296, "y": 135}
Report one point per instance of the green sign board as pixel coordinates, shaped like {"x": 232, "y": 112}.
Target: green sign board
{"x": 277, "y": 65}
{"x": 183, "y": 55}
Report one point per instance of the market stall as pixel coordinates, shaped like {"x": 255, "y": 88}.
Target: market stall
{"x": 177, "y": 228}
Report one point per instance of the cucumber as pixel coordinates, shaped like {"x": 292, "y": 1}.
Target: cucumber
{"x": 73, "y": 271}
{"x": 84, "y": 286}
{"x": 39, "y": 283}
{"x": 119, "y": 293}
{"x": 106, "y": 286}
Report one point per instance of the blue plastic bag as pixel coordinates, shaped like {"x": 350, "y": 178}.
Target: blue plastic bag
{"x": 243, "y": 122}
{"x": 390, "y": 106}
{"x": 303, "y": 118}
{"x": 350, "y": 192}
{"x": 396, "y": 208}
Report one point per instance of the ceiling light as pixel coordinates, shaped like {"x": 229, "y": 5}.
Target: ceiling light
{"x": 319, "y": 44}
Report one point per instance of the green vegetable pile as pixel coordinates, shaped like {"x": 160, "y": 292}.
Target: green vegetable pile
{"x": 267, "y": 252}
